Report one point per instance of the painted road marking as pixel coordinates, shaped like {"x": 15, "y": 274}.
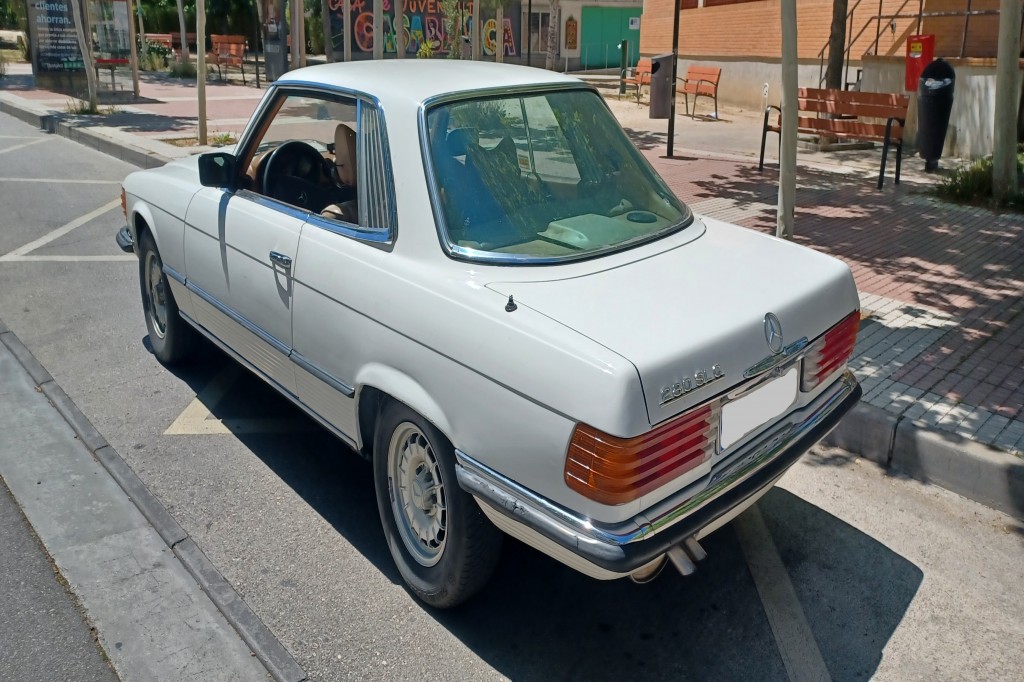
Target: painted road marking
{"x": 62, "y": 181}
{"x": 198, "y": 420}
{"x": 22, "y": 146}
{"x": 19, "y": 253}
{"x": 793, "y": 636}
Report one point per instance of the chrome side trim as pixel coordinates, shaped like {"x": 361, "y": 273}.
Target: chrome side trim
{"x": 374, "y": 235}
{"x": 174, "y": 274}
{"x": 329, "y": 379}
{"x": 596, "y": 540}
{"x": 294, "y": 399}
{"x": 273, "y": 204}
{"x": 250, "y": 326}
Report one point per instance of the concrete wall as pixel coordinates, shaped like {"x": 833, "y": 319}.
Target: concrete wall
{"x": 972, "y": 119}
{"x": 743, "y": 80}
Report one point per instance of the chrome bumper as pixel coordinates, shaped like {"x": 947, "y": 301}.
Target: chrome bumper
{"x": 124, "y": 240}
{"x": 626, "y": 546}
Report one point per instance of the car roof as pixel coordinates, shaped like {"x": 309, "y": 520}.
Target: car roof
{"x": 417, "y": 80}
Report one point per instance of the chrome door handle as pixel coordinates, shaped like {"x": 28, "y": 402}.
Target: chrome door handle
{"x": 281, "y": 259}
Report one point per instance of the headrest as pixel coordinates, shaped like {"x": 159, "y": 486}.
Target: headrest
{"x": 345, "y": 154}
{"x": 459, "y": 139}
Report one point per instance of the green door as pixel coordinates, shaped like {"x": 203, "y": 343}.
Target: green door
{"x": 601, "y": 30}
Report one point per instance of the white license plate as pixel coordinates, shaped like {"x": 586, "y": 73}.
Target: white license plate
{"x": 755, "y": 409}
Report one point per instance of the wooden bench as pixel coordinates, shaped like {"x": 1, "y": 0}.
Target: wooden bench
{"x": 700, "y": 81}
{"x": 227, "y": 51}
{"x": 840, "y": 113}
{"x": 641, "y": 76}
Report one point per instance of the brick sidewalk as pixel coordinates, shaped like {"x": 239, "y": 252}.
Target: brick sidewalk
{"x": 941, "y": 287}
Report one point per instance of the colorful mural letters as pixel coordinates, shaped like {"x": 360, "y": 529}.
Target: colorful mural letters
{"x": 422, "y": 22}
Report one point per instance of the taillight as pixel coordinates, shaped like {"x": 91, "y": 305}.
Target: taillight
{"x": 830, "y": 351}
{"x": 614, "y": 470}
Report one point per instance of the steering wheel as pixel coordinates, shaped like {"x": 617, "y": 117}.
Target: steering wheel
{"x": 292, "y": 173}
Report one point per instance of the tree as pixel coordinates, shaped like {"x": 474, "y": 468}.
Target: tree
{"x": 836, "y": 46}
{"x": 85, "y": 46}
{"x": 554, "y": 22}
{"x": 450, "y": 13}
{"x": 325, "y": 17}
{"x": 184, "y": 32}
{"x": 1004, "y": 154}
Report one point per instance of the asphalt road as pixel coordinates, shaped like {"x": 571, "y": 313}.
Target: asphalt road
{"x": 842, "y": 572}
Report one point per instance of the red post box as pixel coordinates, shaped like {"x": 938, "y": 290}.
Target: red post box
{"x": 920, "y": 53}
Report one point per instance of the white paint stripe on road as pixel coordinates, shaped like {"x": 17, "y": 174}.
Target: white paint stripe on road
{"x": 63, "y": 181}
{"x": 26, "y": 144}
{"x": 59, "y": 232}
{"x": 122, "y": 258}
{"x": 793, "y": 636}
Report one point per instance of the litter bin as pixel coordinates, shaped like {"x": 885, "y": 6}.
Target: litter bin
{"x": 661, "y": 85}
{"x": 934, "y": 102}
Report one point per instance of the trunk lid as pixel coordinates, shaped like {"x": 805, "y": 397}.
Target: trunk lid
{"x": 697, "y": 307}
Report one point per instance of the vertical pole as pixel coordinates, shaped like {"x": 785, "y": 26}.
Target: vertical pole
{"x": 258, "y": 34}
{"x": 787, "y": 150}
{"x": 967, "y": 22}
{"x": 325, "y": 19}
{"x": 672, "y": 85}
{"x": 1004, "y": 142}
{"x": 346, "y": 7}
{"x": 301, "y": 6}
{"x": 623, "y": 46}
{"x": 134, "y": 54}
{"x": 474, "y": 32}
{"x": 878, "y": 27}
{"x": 400, "y": 46}
{"x": 201, "y": 66}
{"x": 529, "y": 31}
{"x": 920, "y": 11}
{"x": 378, "y": 29}
{"x": 293, "y": 32}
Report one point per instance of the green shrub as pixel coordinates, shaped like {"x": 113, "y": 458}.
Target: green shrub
{"x": 153, "y": 57}
{"x": 425, "y": 51}
{"x": 181, "y": 69}
{"x": 972, "y": 183}
{"x": 80, "y": 107}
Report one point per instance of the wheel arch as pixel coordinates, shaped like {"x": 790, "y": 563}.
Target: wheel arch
{"x": 377, "y": 383}
{"x": 142, "y": 221}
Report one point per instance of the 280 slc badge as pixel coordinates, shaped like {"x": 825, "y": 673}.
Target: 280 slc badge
{"x": 701, "y": 378}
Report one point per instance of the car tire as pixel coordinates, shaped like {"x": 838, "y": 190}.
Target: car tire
{"x": 171, "y": 338}
{"x": 443, "y": 545}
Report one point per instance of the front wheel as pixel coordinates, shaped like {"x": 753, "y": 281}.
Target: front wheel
{"x": 443, "y": 545}
{"x": 172, "y": 339}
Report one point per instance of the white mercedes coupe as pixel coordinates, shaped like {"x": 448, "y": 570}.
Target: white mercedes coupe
{"x": 469, "y": 274}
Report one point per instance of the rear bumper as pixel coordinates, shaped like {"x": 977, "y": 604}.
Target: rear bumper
{"x": 624, "y": 547}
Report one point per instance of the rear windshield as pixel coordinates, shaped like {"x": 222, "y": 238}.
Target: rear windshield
{"x": 543, "y": 178}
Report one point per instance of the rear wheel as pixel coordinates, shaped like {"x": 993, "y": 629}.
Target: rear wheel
{"x": 172, "y": 339}
{"x": 443, "y": 545}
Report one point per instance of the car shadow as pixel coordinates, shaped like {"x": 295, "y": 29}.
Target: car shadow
{"x": 540, "y": 619}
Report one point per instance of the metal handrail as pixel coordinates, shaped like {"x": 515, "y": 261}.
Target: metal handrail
{"x": 877, "y": 19}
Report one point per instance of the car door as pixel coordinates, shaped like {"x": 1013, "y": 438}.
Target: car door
{"x": 241, "y": 245}
{"x": 240, "y": 249}
{"x": 338, "y": 284}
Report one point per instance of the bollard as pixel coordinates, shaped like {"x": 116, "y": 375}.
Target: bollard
{"x": 622, "y": 66}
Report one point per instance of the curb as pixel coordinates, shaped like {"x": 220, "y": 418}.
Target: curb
{"x": 271, "y": 653}
{"x": 64, "y": 126}
{"x": 985, "y": 475}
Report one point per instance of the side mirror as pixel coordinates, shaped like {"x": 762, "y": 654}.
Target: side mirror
{"x": 218, "y": 169}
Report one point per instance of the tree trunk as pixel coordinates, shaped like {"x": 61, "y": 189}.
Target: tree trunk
{"x": 85, "y": 46}
{"x": 184, "y": 36}
{"x": 554, "y": 23}
{"x": 787, "y": 147}
{"x": 346, "y": 24}
{"x": 475, "y": 32}
{"x": 836, "y": 46}
{"x": 1004, "y": 147}
{"x": 201, "y": 67}
{"x": 325, "y": 16}
{"x": 378, "y": 29}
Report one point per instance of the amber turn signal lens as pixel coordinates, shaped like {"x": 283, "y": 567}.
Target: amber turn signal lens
{"x": 124, "y": 204}
{"x": 614, "y": 470}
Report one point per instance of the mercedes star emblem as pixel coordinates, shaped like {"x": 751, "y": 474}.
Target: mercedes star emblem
{"x": 773, "y": 333}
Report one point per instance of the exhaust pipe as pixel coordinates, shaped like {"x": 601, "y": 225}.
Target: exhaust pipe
{"x": 683, "y": 556}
